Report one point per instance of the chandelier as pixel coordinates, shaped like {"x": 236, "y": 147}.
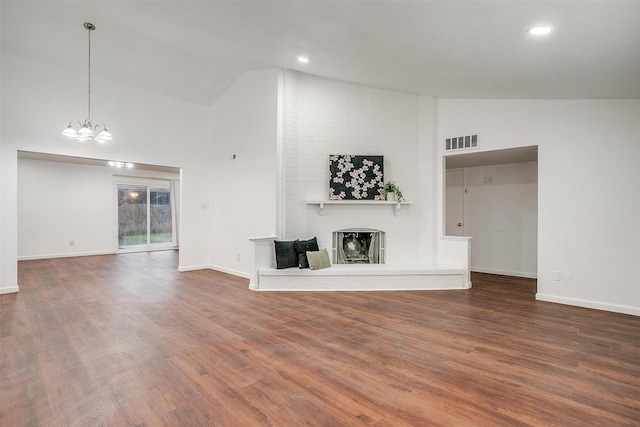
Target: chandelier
{"x": 86, "y": 131}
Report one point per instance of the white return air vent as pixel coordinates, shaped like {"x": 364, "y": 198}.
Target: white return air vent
{"x": 461, "y": 142}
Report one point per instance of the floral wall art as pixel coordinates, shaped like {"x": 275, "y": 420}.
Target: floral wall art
{"x": 355, "y": 177}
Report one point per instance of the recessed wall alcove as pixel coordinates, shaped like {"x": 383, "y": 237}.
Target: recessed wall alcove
{"x": 358, "y": 246}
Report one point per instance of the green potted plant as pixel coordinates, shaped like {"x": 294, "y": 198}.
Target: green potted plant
{"x": 392, "y": 192}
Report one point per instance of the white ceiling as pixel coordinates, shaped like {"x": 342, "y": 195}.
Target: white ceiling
{"x": 194, "y": 50}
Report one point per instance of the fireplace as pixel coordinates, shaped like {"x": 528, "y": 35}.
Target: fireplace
{"x": 358, "y": 246}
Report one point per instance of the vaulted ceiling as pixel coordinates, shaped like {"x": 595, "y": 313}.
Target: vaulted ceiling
{"x": 194, "y": 50}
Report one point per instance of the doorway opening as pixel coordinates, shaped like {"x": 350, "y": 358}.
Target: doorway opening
{"x": 492, "y": 196}
{"x": 68, "y": 205}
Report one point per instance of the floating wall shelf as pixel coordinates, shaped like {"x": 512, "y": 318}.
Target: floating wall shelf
{"x": 322, "y": 203}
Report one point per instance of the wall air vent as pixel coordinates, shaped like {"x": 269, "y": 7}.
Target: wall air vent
{"x": 461, "y": 142}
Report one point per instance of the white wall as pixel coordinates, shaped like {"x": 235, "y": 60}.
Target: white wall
{"x": 502, "y": 218}
{"x": 38, "y": 100}
{"x": 588, "y": 189}
{"x": 243, "y": 196}
{"x": 327, "y": 117}
{"x": 59, "y": 202}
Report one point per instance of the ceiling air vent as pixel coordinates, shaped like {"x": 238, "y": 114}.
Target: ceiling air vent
{"x": 461, "y": 142}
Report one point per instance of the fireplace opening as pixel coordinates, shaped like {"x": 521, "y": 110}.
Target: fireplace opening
{"x": 358, "y": 246}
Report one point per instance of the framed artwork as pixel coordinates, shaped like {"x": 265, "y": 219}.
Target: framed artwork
{"x": 356, "y": 177}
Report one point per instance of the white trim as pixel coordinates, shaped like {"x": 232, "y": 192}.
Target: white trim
{"x": 146, "y": 248}
{"x": 456, "y": 238}
{"x": 64, "y": 255}
{"x": 95, "y": 253}
{"x": 9, "y": 290}
{"x": 280, "y": 169}
{"x": 258, "y": 239}
{"x": 230, "y": 271}
{"x": 152, "y": 178}
{"x": 244, "y": 275}
{"x": 504, "y": 272}
{"x": 182, "y": 269}
{"x": 616, "y": 308}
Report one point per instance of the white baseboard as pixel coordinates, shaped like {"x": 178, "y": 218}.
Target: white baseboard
{"x": 616, "y": 308}
{"x": 65, "y": 255}
{"x": 214, "y": 267}
{"x": 94, "y": 253}
{"x": 182, "y": 268}
{"x": 230, "y": 271}
{"x": 504, "y": 272}
{"x": 9, "y": 290}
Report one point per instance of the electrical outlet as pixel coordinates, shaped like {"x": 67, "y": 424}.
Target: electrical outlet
{"x": 568, "y": 277}
{"x": 238, "y": 257}
{"x": 72, "y": 242}
{"x": 556, "y": 276}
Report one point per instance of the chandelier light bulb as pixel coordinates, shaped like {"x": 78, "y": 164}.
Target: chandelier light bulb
{"x": 104, "y": 135}
{"x": 85, "y": 131}
{"x": 70, "y": 132}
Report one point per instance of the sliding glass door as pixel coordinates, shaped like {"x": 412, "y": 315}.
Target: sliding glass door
{"x": 145, "y": 217}
{"x": 161, "y": 223}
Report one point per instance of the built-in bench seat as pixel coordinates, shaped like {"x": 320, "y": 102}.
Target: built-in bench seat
{"x": 451, "y": 273}
{"x": 361, "y": 277}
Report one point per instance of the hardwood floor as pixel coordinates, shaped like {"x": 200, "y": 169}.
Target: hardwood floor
{"x": 127, "y": 340}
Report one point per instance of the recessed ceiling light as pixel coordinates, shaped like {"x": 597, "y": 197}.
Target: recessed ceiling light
{"x": 539, "y": 30}
{"x": 303, "y": 59}
{"x": 120, "y": 164}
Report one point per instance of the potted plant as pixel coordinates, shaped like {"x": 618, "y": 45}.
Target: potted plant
{"x": 392, "y": 192}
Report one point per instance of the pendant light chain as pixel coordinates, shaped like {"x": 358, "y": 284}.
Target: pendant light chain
{"x": 89, "y": 78}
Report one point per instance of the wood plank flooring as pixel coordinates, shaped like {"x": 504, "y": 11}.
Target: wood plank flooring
{"x": 126, "y": 340}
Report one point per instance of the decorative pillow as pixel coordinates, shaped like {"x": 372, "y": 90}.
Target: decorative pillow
{"x": 302, "y": 246}
{"x": 319, "y": 259}
{"x": 286, "y": 255}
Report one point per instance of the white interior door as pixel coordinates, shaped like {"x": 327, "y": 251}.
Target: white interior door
{"x": 454, "y": 203}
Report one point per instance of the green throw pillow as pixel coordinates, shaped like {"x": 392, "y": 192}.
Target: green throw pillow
{"x": 286, "y": 255}
{"x": 302, "y": 246}
{"x": 318, "y": 259}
